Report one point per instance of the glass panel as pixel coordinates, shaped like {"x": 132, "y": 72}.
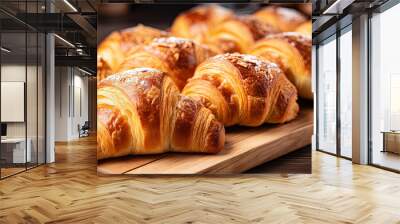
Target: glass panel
{"x": 327, "y": 96}
{"x": 31, "y": 98}
{"x": 32, "y": 89}
{"x": 13, "y": 87}
{"x": 346, "y": 94}
{"x": 41, "y": 98}
{"x": 385, "y": 84}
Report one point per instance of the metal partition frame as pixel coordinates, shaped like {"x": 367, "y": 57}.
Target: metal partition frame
{"x": 42, "y": 53}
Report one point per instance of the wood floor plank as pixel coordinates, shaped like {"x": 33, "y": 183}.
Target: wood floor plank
{"x": 70, "y": 191}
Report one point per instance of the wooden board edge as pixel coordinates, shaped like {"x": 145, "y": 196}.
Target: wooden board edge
{"x": 257, "y": 157}
{"x": 108, "y": 168}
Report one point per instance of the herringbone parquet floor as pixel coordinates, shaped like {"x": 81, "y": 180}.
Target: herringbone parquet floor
{"x": 69, "y": 191}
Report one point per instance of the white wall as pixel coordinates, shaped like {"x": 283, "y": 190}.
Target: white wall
{"x": 33, "y": 127}
{"x": 70, "y": 83}
{"x": 62, "y": 82}
{"x": 80, "y": 84}
{"x": 12, "y": 73}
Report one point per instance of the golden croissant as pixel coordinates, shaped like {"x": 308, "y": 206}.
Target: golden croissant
{"x": 243, "y": 89}
{"x": 283, "y": 19}
{"x": 178, "y": 57}
{"x": 196, "y": 22}
{"x": 112, "y": 50}
{"x": 140, "y": 111}
{"x": 292, "y": 52}
{"x": 305, "y": 28}
{"x": 238, "y": 34}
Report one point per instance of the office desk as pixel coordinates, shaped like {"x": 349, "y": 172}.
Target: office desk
{"x": 391, "y": 141}
{"x": 13, "y": 150}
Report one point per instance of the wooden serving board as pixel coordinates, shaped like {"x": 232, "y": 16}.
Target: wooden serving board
{"x": 245, "y": 148}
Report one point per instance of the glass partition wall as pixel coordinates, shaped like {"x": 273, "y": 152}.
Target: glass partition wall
{"x": 22, "y": 77}
{"x": 13, "y": 85}
{"x": 334, "y": 93}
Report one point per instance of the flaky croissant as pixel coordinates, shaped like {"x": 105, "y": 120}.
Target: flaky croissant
{"x": 243, "y": 89}
{"x": 283, "y": 19}
{"x": 305, "y": 28}
{"x": 112, "y": 50}
{"x": 196, "y": 22}
{"x": 178, "y": 57}
{"x": 140, "y": 111}
{"x": 292, "y": 52}
{"x": 238, "y": 34}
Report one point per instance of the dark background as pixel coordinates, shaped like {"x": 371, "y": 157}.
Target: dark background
{"x": 115, "y": 16}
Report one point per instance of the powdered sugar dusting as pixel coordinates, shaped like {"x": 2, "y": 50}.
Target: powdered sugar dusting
{"x": 251, "y": 59}
{"x": 244, "y": 60}
{"x": 175, "y": 40}
{"x": 289, "y": 14}
{"x": 132, "y": 75}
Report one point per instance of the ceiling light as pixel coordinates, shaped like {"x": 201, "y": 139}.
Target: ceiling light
{"x": 64, "y": 40}
{"x": 337, "y": 7}
{"x": 5, "y": 50}
{"x": 84, "y": 71}
{"x": 70, "y": 5}
{"x": 333, "y": 6}
{"x": 79, "y": 51}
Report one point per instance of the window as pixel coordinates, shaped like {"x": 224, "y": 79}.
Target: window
{"x": 326, "y": 105}
{"x": 346, "y": 92}
{"x": 385, "y": 89}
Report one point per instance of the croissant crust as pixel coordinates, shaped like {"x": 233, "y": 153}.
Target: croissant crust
{"x": 140, "y": 111}
{"x": 242, "y": 89}
{"x": 292, "y": 52}
{"x": 113, "y": 49}
{"x": 238, "y": 34}
{"x": 178, "y": 57}
{"x": 284, "y": 19}
{"x": 195, "y": 22}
